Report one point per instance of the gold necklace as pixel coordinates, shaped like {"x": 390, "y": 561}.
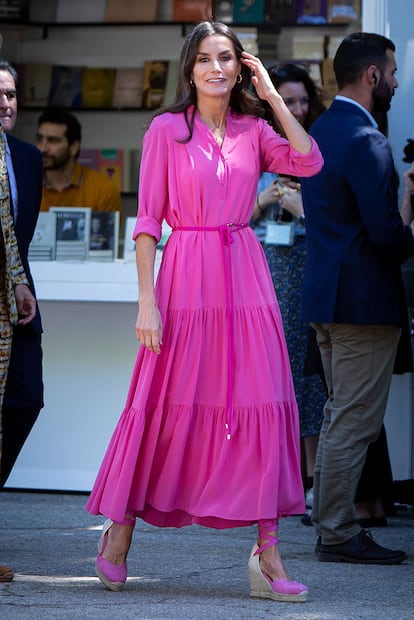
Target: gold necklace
{"x": 218, "y": 131}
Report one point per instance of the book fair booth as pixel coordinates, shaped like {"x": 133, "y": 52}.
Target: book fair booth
{"x": 112, "y": 63}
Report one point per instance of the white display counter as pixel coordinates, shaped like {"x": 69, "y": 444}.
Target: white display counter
{"x": 88, "y": 312}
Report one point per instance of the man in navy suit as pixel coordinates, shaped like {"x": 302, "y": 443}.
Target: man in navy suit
{"x": 23, "y": 396}
{"x": 353, "y": 292}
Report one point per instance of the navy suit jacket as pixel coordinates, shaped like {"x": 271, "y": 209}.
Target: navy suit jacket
{"x": 27, "y": 164}
{"x": 356, "y": 240}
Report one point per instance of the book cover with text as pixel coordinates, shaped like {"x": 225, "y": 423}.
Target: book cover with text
{"x": 128, "y": 87}
{"x": 248, "y": 11}
{"x": 104, "y": 236}
{"x": 281, "y": 12}
{"x": 66, "y": 87}
{"x": 154, "y": 83}
{"x": 111, "y": 164}
{"x": 311, "y": 12}
{"x": 97, "y": 87}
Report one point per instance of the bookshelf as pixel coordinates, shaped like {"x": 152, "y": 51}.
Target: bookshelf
{"x": 102, "y": 44}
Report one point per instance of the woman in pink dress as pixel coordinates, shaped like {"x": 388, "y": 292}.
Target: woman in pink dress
{"x": 211, "y": 394}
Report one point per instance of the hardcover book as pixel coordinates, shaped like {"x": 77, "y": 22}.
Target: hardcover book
{"x": 66, "y": 87}
{"x": 134, "y": 164}
{"x": 104, "y": 236}
{"x": 43, "y": 244}
{"x": 14, "y": 11}
{"x": 311, "y": 12}
{"x": 128, "y": 87}
{"x": 248, "y": 11}
{"x": 223, "y": 11}
{"x": 154, "y": 83}
{"x": 72, "y": 232}
{"x": 171, "y": 84}
{"x": 192, "y": 10}
{"x": 110, "y": 162}
{"x": 281, "y": 12}
{"x": 129, "y": 242}
{"x": 131, "y": 10}
{"x": 34, "y": 84}
{"x": 97, "y": 87}
{"x": 80, "y": 11}
{"x": 344, "y": 11}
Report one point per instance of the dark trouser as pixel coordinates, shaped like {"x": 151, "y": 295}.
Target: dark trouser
{"x": 376, "y": 478}
{"x": 23, "y": 397}
{"x": 358, "y": 362}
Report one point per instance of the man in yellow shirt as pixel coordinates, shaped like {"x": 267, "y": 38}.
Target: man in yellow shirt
{"x": 66, "y": 183}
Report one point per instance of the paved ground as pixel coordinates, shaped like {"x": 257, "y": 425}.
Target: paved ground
{"x": 194, "y": 573}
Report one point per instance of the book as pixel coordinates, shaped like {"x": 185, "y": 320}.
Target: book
{"x": 89, "y": 158}
{"x": 97, "y": 87}
{"x": 223, "y": 11}
{"x": 171, "y": 83}
{"x": 192, "y": 10}
{"x": 44, "y": 11}
{"x": 344, "y": 11}
{"x": 66, "y": 87}
{"x": 248, "y": 11}
{"x": 281, "y": 12}
{"x": 80, "y": 11}
{"x": 129, "y": 243}
{"x": 43, "y": 244}
{"x": 111, "y": 164}
{"x": 14, "y": 10}
{"x": 72, "y": 232}
{"x": 154, "y": 83}
{"x": 131, "y": 11}
{"x": 328, "y": 79}
{"x": 34, "y": 84}
{"x": 104, "y": 236}
{"x": 311, "y": 12}
{"x": 128, "y": 85}
{"x": 134, "y": 164}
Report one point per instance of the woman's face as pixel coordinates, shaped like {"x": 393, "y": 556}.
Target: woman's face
{"x": 216, "y": 67}
{"x": 295, "y": 95}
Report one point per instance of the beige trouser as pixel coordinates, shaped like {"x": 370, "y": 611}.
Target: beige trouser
{"x": 358, "y": 362}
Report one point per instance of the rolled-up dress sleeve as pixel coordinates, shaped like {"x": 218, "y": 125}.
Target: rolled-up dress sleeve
{"x": 153, "y": 181}
{"x": 280, "y": 157}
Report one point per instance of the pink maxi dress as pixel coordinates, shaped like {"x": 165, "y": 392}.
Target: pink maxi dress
{"x": 209, "y": 433}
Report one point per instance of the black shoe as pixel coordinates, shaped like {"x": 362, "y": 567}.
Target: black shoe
{"x": 306, "y": 519}
{"x": 361, "y": 549}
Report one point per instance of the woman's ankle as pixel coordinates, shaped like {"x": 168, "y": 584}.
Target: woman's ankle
{"x": 118, "y": 543}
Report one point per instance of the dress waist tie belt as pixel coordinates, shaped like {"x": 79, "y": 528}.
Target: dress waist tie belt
{"x": 225, "y": 232}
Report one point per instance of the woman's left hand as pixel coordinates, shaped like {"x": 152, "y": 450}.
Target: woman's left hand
{"x": 260, "y": 78}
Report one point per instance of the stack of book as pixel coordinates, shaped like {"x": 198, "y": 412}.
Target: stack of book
{"x": 104, "y": 236}
{"x": 72, "y": 232}
{"x": 43, "y": 245}
{"x": 75, "y": 234}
